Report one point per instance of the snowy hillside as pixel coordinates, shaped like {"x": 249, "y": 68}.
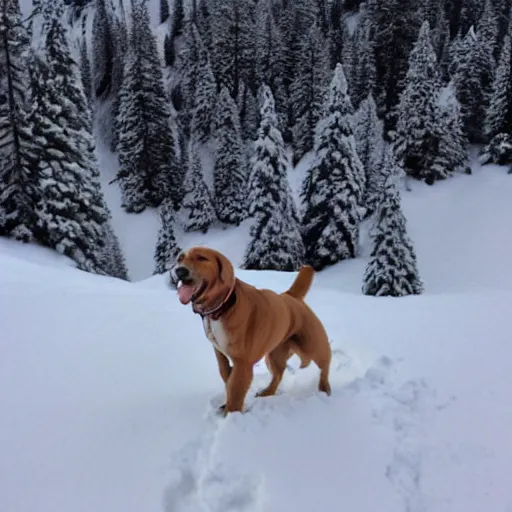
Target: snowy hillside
{"x": 107, "y": 388}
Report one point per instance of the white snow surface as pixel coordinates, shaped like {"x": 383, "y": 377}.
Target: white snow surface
{"x": 108, "y": 388}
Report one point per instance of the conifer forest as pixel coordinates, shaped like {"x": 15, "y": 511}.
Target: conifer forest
{"x": 374, "y": 93}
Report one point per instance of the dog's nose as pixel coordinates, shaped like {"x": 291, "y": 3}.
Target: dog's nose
{"x": 181, "y": 273}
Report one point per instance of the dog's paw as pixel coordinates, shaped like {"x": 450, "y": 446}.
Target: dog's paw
{"x": 265, "y": 392}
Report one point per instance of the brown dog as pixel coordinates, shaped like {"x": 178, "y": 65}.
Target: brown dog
{"x": 246, "y": 324}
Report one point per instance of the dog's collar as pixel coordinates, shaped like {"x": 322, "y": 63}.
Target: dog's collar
{"x": 222, "y": 308}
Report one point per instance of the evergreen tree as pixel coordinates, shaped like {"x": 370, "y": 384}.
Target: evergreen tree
{"x": 488, "y": 29}
{"x": 169, "y": 52}
{"x": 167, "y": 249}
{"x": 396, "y": 24}
{"x": 308, "y": 90}
{"x": 178, "y": 18}
{"x": 392, "y": 267}
{"x": 276, "y": 242}
{"x": 164, "y": 11}
{"x": 440, "y": 29}
{"x": 499, "y": 113}
{"x": 232, "y": 37}
{"x": 148, "y": 149}
{"x": 471, "y": 11}
{"x": 112, "y": 258}
{"x": 368, "y": 132}
{"x": 364, "y": 70}
{"x": 417, "y": 126}
{"x": 197, "y": 203}
{"x": 248, "y": 112}
{"x": 498, "y": 151}
{"x": 229, "y": 172}
{"x": 349, "y": 56}
{"x": 17, "y": 194}
{"x": 197, "y": 85}
{"x": 441, "y": 42}
{"x": 296, "y": 19}
{"x": 337, "y": 31}
{"x": 270, "y": 57}
{"x": 204, "y": 24}
{"x": 452, "y": 147}
{"x": 85, "y": 71}
{"x": 103, "y": 49}
{"x": 472, "y": 74}
{"x": 334, "y": 187}
{"x": 121, "y": 49}
{"x": 71, "y": 212}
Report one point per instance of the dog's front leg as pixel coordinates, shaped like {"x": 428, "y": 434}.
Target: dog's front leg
{"x": 237, "y": 387}
{"x": 224, "y": 366}
{"x": 224, "y": 370}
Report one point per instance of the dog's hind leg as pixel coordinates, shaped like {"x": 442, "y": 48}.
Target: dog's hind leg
{"x": 312, "y": 344}
{"x": 276, "y": 363}
{"x": 323, "y": 383}
{"x": 305, "y": 360}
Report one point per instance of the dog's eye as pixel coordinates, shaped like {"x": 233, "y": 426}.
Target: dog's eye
{"x": 200, "y": 258}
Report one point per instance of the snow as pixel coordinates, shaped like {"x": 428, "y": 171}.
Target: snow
{"x": 108, "y": 388}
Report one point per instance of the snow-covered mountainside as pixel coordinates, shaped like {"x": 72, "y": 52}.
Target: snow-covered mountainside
{"x": 107, "y": 388}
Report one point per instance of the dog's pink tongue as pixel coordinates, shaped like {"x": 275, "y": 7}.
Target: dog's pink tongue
{"x": 185, "y": 293}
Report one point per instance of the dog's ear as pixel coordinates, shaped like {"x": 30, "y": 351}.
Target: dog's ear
{"x": 226, "y": 272}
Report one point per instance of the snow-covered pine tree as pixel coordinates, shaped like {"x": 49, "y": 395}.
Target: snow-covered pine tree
{"x": 17, "y": 194}
{"x": 349, "y": 58}
{"x": 487, "y": 29}
{"x": 249, "y": 113}
{"x": 204, "y": 24}
{"x": 499, "y": 113}
{"x": 440, "y": 29}
{"x": 308, "y": 90}
{"x": 364, "y": 70}
{"x": 103, "y": 48}
{"x": 113, "y": 261}
{"x": 452, "y": 151}
{"x": 229, "y": 172}
{"x": 169, "y": 51}
{"x": 233, "y": 39}
{"x": 333, "y": 191}
{"x": 197, "y": 85}
{"x": 337, "y": 30}
{"x": 270, "y": 58}
{"x": 295, "y": 19}
{"x": 85, "y": 72}
{"x": 276, "y": 242}
{"x": 164, "y": 11}
{"x": 368, "y": 132}
{"x": 470, "y": 12}
{"x": 417, "y": 126}
{"x": 396, "y": 24}
{"x": 71, "y": 211}
{"x": 472, "y": 74}
{"x": 198, "y": 213}
{"x": 498, "y": 121}
{"x": 120, "y": 33}
{"x": 178, "y": 18}
{"x": 167, "y": 248}
{"x": 148, "y": 148}
{"x": 441, "y": 42}
{"x": 392, "y": 269}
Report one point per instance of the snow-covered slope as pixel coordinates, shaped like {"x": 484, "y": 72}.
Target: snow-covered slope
{"x": 107, "y": 388}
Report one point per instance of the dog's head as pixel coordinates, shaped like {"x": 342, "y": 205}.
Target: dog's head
{"x": 204, "y": 275}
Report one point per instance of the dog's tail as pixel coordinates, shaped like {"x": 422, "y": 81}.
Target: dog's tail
{"x": 302, "y": 283}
